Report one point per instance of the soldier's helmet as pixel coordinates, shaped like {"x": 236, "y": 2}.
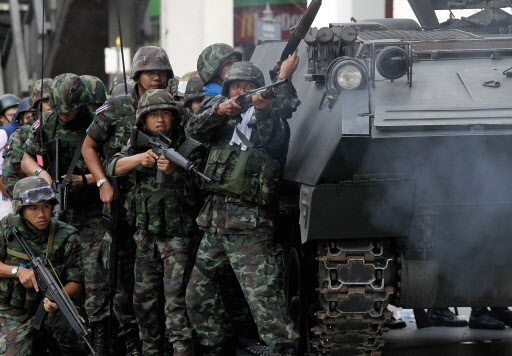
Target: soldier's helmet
{"x": 96, "y": 88}
{"x": 212, "y": 57}
{"x": 150, "y": 58}
{"x": 67, "y": 93}
{"x": 182, "y": 85}
{"x": 172, "y": 85}
{"x": 194, "y": 90}
{"x": 119, "y": 89}
{"x": 119, "y": 79}
{"x": 8, "y": 101}
{"x": 35, "y": 92}
{"x": 157, "y": 99}
{"x": 246, "y": 71}
{"x": 30, "y": 191}
{"x": 23, "y": 108}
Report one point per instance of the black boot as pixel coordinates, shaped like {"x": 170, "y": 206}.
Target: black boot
{"x": 444, "y": 317}
{"x": 99, "y": 337}
{"x": 481, "y": 319}
{"x": 133, "y": 345}
{"x": 502, "y": 314}
{"x": 395, "y": 324}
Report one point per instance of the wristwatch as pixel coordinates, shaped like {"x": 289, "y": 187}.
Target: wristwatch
{"x": 14, "y": 271}
{"x": 100, "y": 182}
{"x": 38, "y": 172}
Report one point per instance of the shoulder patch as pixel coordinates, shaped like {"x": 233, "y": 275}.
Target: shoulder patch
{"x": 36, "y": 124}
{"x": 101, "y": 109}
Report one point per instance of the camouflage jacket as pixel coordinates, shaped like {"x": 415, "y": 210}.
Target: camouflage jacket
{"x": 158, "y": 208}
{"x": 112, "y": 127}
{"x": 13, "y": 154}
{"x": 243, "y": 205}
{"x": 86, "y": 201}
{"x": 16, "y": 301}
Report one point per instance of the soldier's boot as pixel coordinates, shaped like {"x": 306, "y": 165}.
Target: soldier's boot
{"x": 481, "y": 319}
{"x": 133, "y": 344}
{"x": 183, "y": 348}
{"x": 99, "y": 337}
{"x": 502, "y": 314}
{"x": 444, "y": 317}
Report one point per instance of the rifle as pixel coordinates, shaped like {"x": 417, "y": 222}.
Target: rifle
{"x": 267, "y": 91}
{"x": 141, "y": 141}
{"x": 50, "y": 288}
{"x": 61, "y": 190}
{"x": 298, "y": 34}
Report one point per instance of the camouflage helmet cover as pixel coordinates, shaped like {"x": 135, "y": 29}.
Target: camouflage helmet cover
{"x": 96, "y": 88}
{"x": 150, "y": 58}
{"x": 35, "y": 92}
{"x": 33, "y": 183}
{"x": 194, "y": 90}
{"x": 156, "y": 99}
{"x": 246, "y": 71}
{"x": 119, "y": 89}
{"x": 67, "y": 93}
{"x": 119, "y": 79}
{"x": 182, "y": 85}
{"x": 212, "y": 57}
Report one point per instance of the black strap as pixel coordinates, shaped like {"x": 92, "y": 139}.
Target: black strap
{"x": 74, "y": 161}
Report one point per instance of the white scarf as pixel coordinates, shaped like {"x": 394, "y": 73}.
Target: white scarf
{"x": 244, "y": 128}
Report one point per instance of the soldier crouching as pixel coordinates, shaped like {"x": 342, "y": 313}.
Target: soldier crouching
{"x": 32, "y": 206}
{"x": 163, "y": 226}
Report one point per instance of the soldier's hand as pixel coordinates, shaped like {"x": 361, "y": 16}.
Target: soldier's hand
{"x": 27, "y": 278}
{"x": 165, "y": 166}
{"x": 76, "y": 182}
{"x": 50, "y": 306}
{"x": 148, "y": 158}
{"x": 107, "y": 195}
{"x": 289, "y": 66}
{"x": 229, "y": 108}
{"x": 260, "y": 103}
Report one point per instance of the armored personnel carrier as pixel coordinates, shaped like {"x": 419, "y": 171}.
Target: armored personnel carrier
{"x": 399, "y": 171}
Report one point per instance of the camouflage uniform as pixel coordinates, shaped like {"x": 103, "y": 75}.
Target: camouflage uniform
{"x": 164, "y": 224}
{"x": 111, "y": 129}
{"x": 84, "y": 205}
{"x": 238, "y": 221}
{"x": 193, "y": 92}
{"x": 18, "y": 304}
{"x": 96, "y": 88}
{"x": 13, "y": 152}
{"x": 172, "y": 86}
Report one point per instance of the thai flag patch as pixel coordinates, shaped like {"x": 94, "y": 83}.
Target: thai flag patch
{"x": 101, "y": 109}
{"x": 36, "y": 125}
{"x": 129, "y": 140}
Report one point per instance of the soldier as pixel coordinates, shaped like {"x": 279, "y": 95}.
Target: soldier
{"x": 172, "y": 87}
{"x": 97, "y": 90}
{"x": 164, "y": 225}
{"x": 13, "y": 152}
{"x": 18, "y": 286}
{"x": 182, "y": 85}
{"x": 8, "y": 106}
{"x": 118, "y": 85}
{"x": 65, "y": 125}
{"x": 237, "y": 216}
{"x": 108, "y": 134}
{"x": 194, "y": 94}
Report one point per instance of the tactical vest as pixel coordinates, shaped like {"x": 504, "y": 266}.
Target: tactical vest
{"x": 159, "y": 208}
{"x": 253, "y": 174}
{"x": 12, "y": 293}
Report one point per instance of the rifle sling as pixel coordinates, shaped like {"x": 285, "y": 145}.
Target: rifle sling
{"x": 48, "y": 246}
{"x": 74, "y": 161}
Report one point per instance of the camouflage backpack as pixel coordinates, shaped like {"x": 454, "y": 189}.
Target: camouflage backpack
{"x": 150, "y": 58}
{"x": 35, "y": 92}
{"x": 247, "y": 71}
{"x": 212, "y": 57}
{"x": 30, "y": 191}
{"x": 96, "y": 88}
{"x": 194, "y": 90}
{"x": 156, "y": 99}
{"x": 67, "y": 93}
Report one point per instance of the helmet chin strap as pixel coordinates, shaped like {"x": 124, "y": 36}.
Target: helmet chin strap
{"x": 30, "y": 224}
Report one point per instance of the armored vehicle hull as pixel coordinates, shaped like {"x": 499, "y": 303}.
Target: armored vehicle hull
{"x": 397, "y": 191}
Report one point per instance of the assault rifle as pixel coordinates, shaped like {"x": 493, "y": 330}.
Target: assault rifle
{"x": 140, "y": 141}
{"x": 50, "y": 288}
{"x": 298, "y": 34}
{"x": 268, "y": 91}
{"x": 60, "y": 189}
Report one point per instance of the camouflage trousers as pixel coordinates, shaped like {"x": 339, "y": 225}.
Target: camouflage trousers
{"x": 256, "y": 263}
{"x": 162, "y": 265}
{"x": 91, "y": 235}
{"x": 16, "y": 337}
